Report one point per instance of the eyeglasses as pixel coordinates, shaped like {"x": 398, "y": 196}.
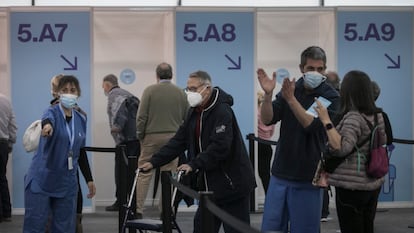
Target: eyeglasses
{"x": 193, "y": 89}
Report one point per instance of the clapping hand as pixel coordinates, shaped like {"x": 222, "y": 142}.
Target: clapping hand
{"x": 266, "y": 83}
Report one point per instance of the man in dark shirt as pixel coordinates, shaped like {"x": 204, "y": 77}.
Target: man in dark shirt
{"x": 291, "y": 197}
{"x": 215, "y": 149}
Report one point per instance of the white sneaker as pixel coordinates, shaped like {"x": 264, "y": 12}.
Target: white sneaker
{"x": 325, "y": 219}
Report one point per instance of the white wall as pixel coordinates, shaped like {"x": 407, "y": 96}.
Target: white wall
{"x": 123, "y": 39}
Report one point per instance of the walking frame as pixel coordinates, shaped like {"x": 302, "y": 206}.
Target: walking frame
{"x": 143, "y": 225}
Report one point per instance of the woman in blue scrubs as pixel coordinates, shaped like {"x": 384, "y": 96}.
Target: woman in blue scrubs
{"x": 51, "y": 184}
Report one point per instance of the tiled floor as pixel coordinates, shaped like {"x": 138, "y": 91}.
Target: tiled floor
{"x": 387, "y": 221}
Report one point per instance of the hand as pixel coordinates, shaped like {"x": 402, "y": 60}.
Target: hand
{"x": 92, "y": 189}
{"x": 288, "y": 89}
{"x": 266, "y": 83}
{"x": 185, "y": 167}
{"x": 47, "y": 130}
{"x": 146, "y": 167}
{"x": 115, "y": 129}
{"x": 9, "y": 149}
{"x": 322, "y": 112}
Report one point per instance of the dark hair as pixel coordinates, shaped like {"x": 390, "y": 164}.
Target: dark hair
{"x": 164, "y": 71}
{"x": 356, "y": 93}
{"x": 65, "y": 79}
{"x": 376, "y": 90}
{"x": 312, "y": 52}
{"x": 112, "y": 79}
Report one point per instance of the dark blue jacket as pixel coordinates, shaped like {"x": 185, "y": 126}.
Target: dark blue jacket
{"x": 219, "y": 158}
{"x": 299, "y": 149}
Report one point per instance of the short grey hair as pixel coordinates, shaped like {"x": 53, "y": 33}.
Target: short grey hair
{"x": 202, "y": 75}
{"x": 112, "y": 79}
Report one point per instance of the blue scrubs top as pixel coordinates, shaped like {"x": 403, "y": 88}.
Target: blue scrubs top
{"x": 49, "y": 171}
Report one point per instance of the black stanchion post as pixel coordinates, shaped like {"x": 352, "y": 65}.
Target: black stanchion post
{"x": 207, "y": 218}
{"x": 250, "y": 137}
{"x": 132, "y": 167}
{"x": 122, "y": 184}
{"x": 166, "y": 202}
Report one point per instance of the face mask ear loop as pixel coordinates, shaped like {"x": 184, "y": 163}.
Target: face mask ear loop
{"x": 204, "y": 89}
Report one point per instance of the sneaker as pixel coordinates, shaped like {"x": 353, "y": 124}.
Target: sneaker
{"x": 325, "y": 219}
{"x": 113, "y": 207}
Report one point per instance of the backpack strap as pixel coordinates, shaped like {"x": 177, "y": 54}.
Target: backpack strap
{"x": 371, "y": 127}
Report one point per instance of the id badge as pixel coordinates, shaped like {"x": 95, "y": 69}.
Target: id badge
{"x": 70, "y": 160}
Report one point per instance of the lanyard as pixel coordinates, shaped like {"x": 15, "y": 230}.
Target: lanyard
{"x": 71, "y": 132}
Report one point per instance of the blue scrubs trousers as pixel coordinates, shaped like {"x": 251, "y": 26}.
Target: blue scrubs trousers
{"x": 292, "y": 205}
{"x": 37, "y": 207}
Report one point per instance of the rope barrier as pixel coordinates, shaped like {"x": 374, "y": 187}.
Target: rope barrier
{"x": 99, "y": 149}
{"x": 403, "y": 141}
{"x": 184, "y": 189}
{"x": 214, "y": 209}
{"x": 229, "y": 219}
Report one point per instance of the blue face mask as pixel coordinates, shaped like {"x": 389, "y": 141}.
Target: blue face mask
{"x": 313, "y": 79}
{"x": 68, "y": 100}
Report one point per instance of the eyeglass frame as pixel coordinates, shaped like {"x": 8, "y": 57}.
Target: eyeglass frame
{"x": 195, "y": 89}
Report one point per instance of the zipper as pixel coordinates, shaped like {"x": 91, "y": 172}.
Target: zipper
{"x": 200, "y": 148}
{"x": 229, "y": 180}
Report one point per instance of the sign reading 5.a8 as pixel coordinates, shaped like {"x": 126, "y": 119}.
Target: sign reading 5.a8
{"x": 226, "y": 33}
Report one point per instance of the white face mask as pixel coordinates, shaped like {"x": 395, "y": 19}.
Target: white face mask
{"x": 313, "y": 79}
{"x": 194, "y": 98}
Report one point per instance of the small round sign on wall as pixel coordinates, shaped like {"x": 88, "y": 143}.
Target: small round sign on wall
{"x": 127, "y": 76}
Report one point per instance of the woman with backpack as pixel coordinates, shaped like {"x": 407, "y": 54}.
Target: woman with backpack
{"x": 356, "y": 191}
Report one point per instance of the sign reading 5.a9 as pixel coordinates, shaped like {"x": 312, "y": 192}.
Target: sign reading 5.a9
{"x": 383, "y": 32}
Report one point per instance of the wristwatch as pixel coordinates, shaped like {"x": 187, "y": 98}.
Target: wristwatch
{"x": 328, "y": 126}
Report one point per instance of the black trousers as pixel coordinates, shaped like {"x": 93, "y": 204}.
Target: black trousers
{"x": 356, "y": 210}
{"x": 265, "y": 156}
{"x": 5, "y": 205}
{"x": 325, "y": 203}
{"x": 239, "y": 208}
{"x": 133, "y": 148}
